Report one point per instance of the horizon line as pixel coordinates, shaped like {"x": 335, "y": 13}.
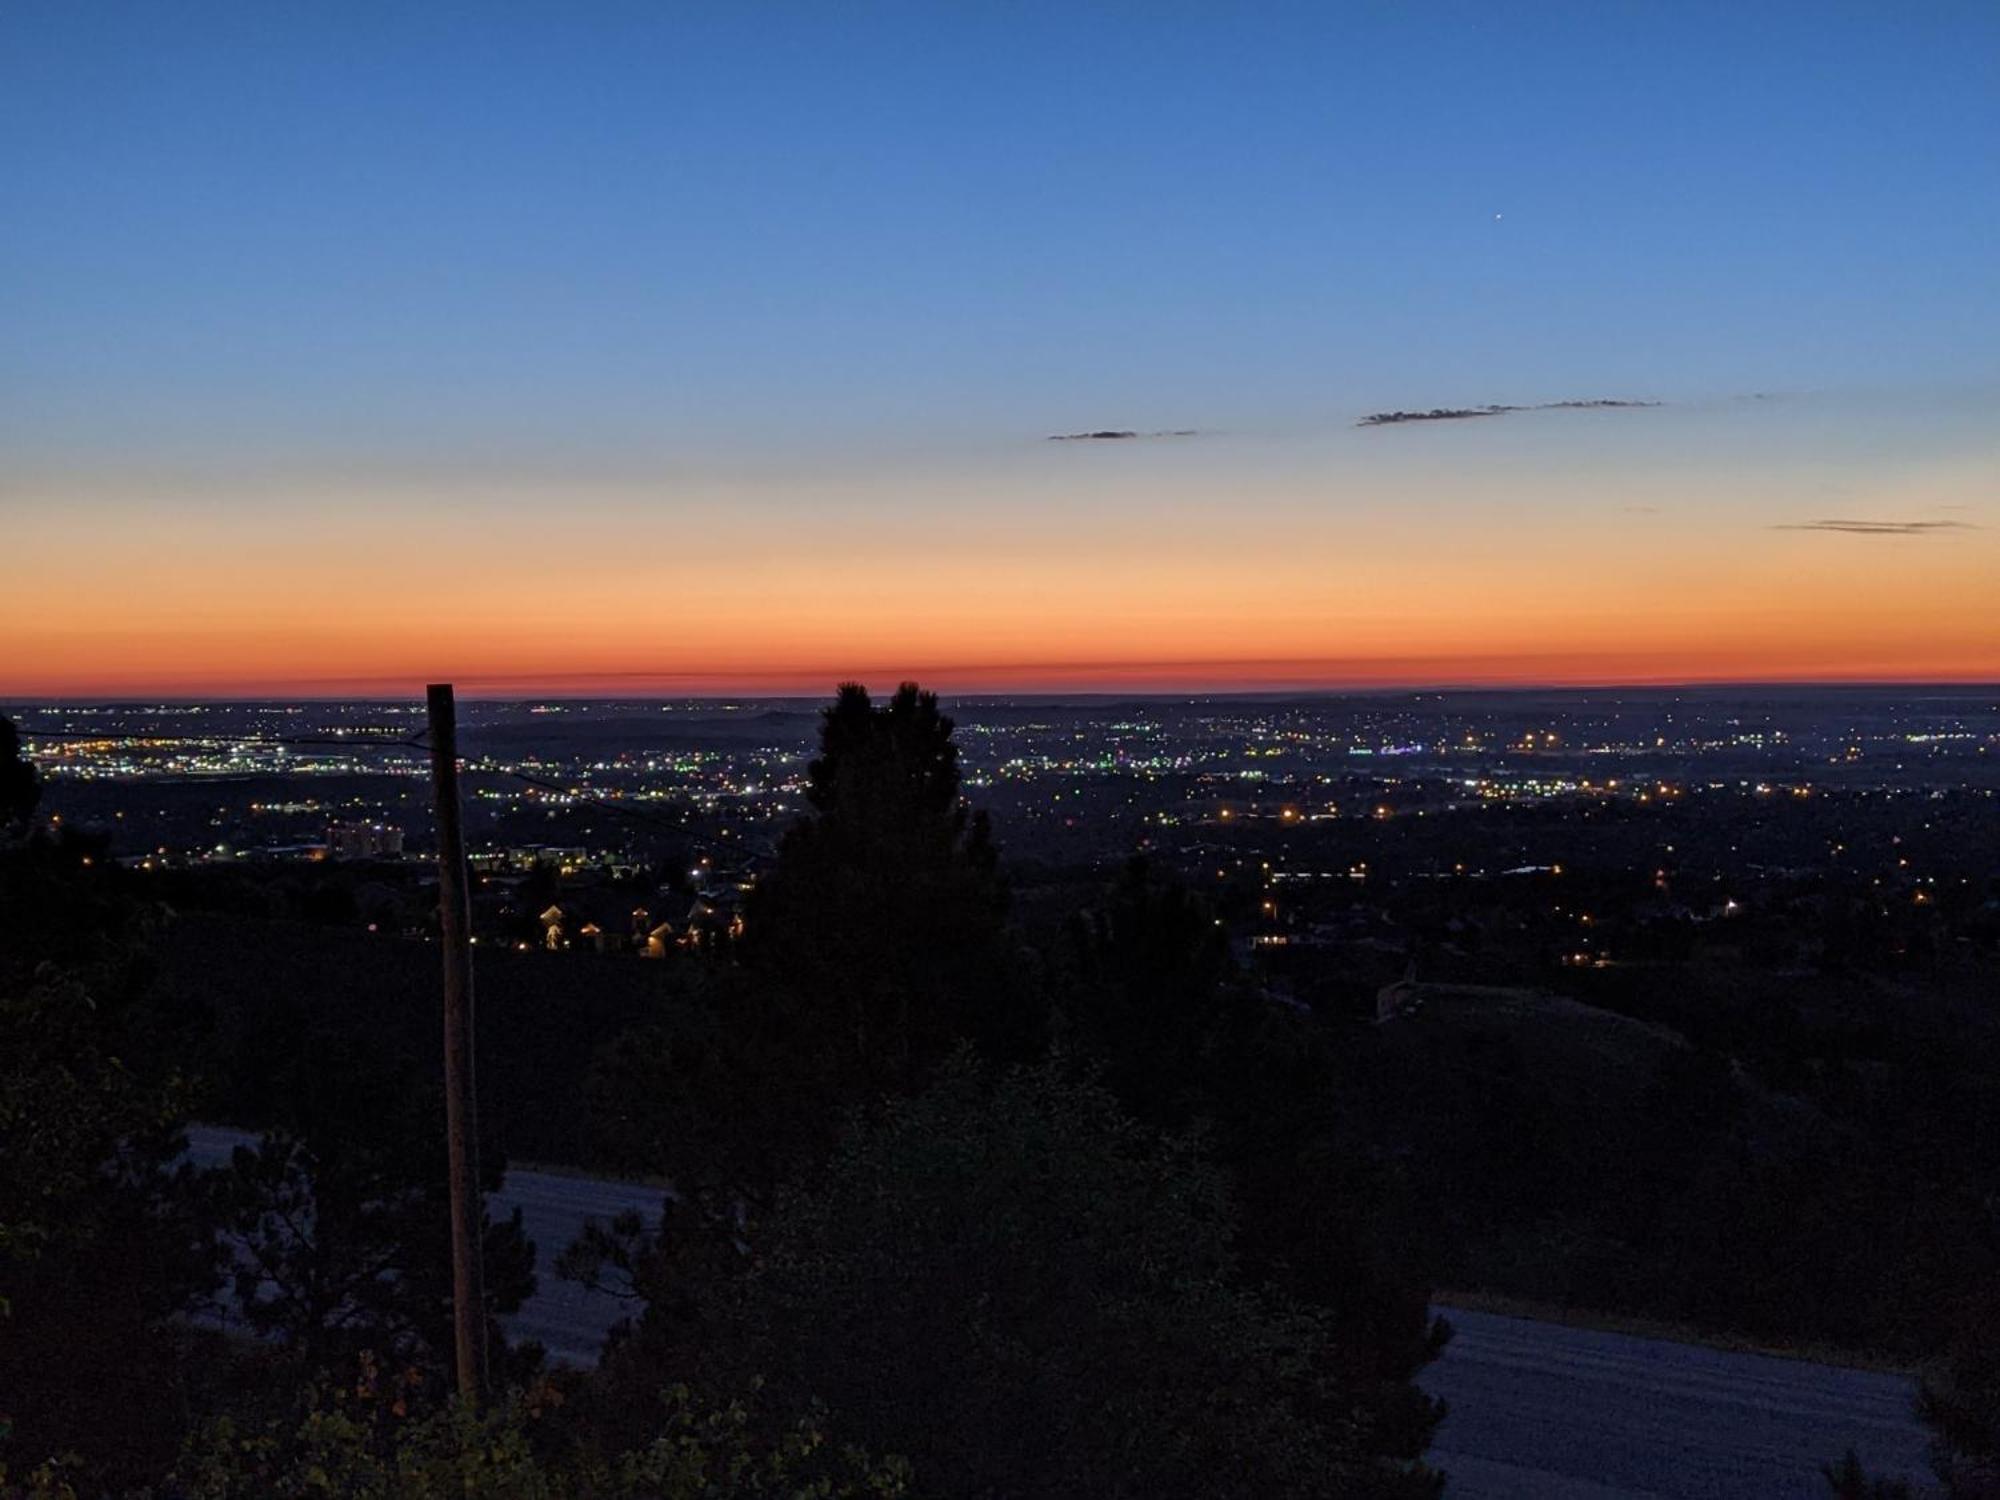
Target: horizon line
{"x": 1369, "y": 689}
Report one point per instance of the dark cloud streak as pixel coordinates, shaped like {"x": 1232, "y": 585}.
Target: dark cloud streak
{"x": 1461, "y": 413}
{"x": 1113, "y": 436}
{"x": 1876, "y": 528}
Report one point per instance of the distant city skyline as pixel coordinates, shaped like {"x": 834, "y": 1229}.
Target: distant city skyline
{"x": 699, "y": 349}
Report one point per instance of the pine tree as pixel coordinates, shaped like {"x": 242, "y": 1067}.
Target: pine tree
{"x": 20, "y": 789}
{"x": 881, "y": 930}
{"x": 1960, "y": 1401}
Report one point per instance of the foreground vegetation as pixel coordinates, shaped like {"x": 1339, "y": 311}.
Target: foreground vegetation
{"x": 917, "y": 1184}
{"x": 963, "y": 1207}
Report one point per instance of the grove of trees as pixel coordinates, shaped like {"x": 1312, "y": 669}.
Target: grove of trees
{"x": 959, "y": 1210}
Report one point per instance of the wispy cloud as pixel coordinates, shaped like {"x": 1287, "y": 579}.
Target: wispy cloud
{"x": 1876, "y": 528}
{"x": 1461, "y": 413}
{"x": 1115, "y": 435}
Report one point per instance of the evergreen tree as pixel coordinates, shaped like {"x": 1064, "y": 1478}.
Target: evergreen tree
{"x": 1032, "y": 1295}
{"x": 880, "y": 932}
{"x": 1151, "y": 994}
{"x": 20, "y": 788}
{"x": 1850, "y": 1481}
{"x": 1154, "y": 1000}
{"x": 103, "y": 1243}
{"x": 340, "y": 1212}
{"x": 1960, "y": 1401}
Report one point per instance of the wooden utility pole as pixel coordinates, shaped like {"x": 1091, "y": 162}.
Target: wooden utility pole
{"x": 461, "y": 1109}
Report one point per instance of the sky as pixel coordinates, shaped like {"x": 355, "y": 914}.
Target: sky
{"x": 597, "y": 347}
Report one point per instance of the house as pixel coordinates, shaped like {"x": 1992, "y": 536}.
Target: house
{"x": 714, "y": 918}
{"x": 552, "y": 927}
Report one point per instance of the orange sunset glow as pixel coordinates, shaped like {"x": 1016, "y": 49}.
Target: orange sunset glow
{"x": 1057, "y": 596}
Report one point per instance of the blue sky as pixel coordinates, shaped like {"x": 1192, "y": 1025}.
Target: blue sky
{"x": 390, "y": 225}
{"x": 301, "y": 252}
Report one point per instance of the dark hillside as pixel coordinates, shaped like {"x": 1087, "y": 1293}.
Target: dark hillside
{"x": 541, "y": 1016}
{"x": 1583, "y": 1158}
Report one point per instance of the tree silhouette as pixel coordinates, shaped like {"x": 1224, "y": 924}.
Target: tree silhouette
{"x": 881, "y": 928}
{"x": 341, "y": 1209}
{"x": 1152, "y": 994}
{"x": 1848, "y": 1480}
{"x": 1960, "y": 1402}
{"x": 1030, "y": 1294}
{"x": 1152, "y": 998}
{"x": 20, "y": 788}
{"x": 102, "y": 1240}
{"x": 366, "y": 1436}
